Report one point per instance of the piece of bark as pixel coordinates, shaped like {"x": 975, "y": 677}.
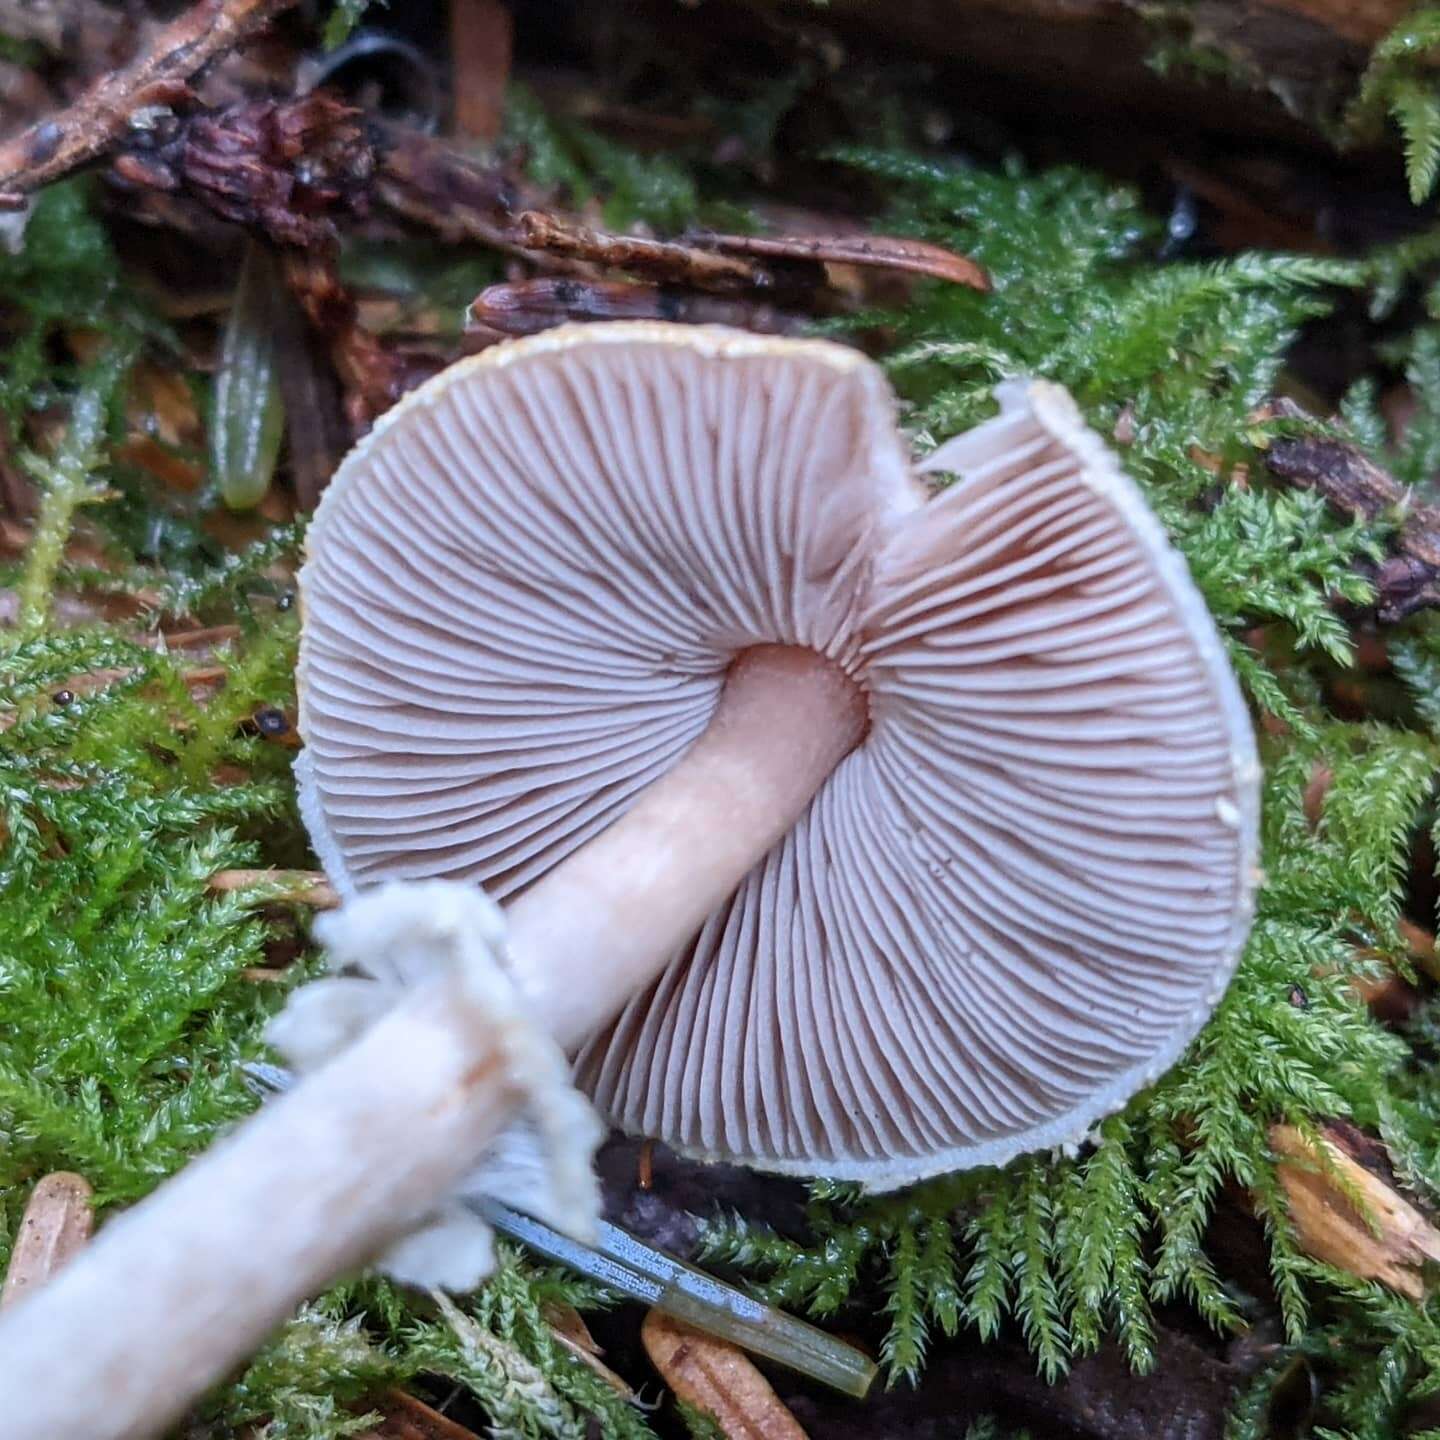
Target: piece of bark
{"x": 1389, "y": 1241}
{"x": 715, "y": 1377}
{"x": 1354, "y": 485}
{"x": 57, "y": 1221}
{"x": 1290, "y": 64}
{"x": 291, "y": 167}
{"x": 481, "y": 42}
{"x": 456, "y": 196}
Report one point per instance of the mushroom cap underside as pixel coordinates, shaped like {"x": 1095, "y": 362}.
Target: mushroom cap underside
{"x": 1010, "y": 907}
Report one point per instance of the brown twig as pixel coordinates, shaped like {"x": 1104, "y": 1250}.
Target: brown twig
{"x": 300, "y": 887}
{"x": 454, "y": 195}
{"x": 316, "y": 431}
{"x": 532, "y": 305}
{"x": 1352, "y": 483}
{"x": 373, "y": 377}
{"x": 117, "y": 101}
{"x": 667, "y": 262}
{"x": 880, "y": 252}
{"x": 403, "y": 1417}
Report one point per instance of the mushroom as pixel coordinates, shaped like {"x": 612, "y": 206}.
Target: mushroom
{"x": 840, "y": 830}
{"x": 924, "y": 829}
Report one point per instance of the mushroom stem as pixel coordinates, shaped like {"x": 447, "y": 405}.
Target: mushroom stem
{"x": 172, "y": 1294}
{"x": 178, "y": 1290}
{"x": 601, "y": 924}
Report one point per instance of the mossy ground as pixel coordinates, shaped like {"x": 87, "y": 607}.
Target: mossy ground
{"x": 127, "y": 989}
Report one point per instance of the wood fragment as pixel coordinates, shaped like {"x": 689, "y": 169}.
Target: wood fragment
{"x": 61, "y": 143}
{"x": 57, "y": 1221}
{"x": 1388, "y": 1240}
{"x": 882, "y": 252}
{"x": 299, "y": 887}
{"x": 717, "y": 1378}
{"x": 406, "y": 1418}
{"x": 1420, "y": 943}
{"x": 207, "y": 637}
{"x": 316, "y": 430}
{"x": 372, "y": 376}
{"x": 568, "y": 1326}
{"x": 481, "y": 42}
{"x": 663, "y": 261}
{"x": 456, "y": 196}
{"x": 529, "y": 306}
{"x": 1354, "y": 485}
{"x": 284, "y": 168}
{"x": 1312, "y": 798}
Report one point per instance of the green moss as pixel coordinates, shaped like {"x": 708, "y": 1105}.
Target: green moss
{"x": 1399, "y": 84}
{"x": 344, "y": 16}
{"x": 124, "y": 1010}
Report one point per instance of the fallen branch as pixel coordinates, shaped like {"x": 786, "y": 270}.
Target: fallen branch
{"x": 292, "y": 169}
{"x": 458, "y": 198}
{"x": 54, "y": 147}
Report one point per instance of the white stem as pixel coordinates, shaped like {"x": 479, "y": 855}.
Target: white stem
{"x": 173, "y": 1294}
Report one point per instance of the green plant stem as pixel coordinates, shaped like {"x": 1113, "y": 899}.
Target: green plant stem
{"x": 69, "y": 482}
